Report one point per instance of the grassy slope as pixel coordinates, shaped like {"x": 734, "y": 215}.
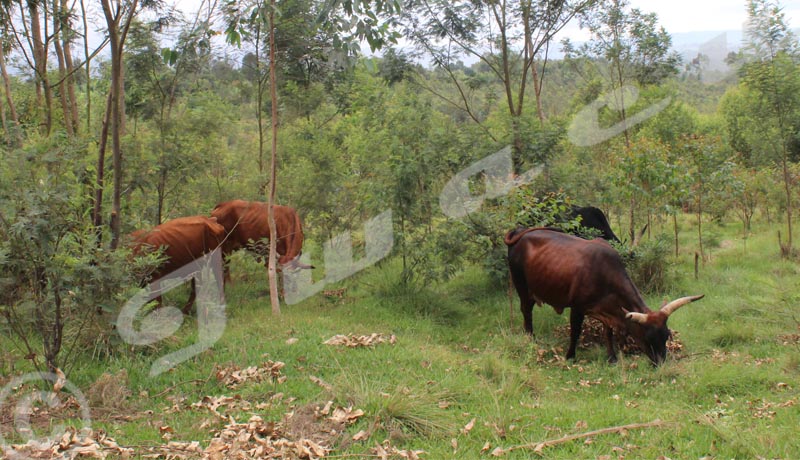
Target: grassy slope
{"x": 454, "y": 345}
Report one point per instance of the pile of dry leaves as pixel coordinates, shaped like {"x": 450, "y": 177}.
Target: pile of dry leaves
{"x": 72, "y": 444}
{"x": 232, "y": 376}
{"x": 594, "y": 334}
{"x": 353, "y": 341}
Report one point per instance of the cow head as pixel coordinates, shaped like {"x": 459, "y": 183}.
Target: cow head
{"x": 650, "y": 331}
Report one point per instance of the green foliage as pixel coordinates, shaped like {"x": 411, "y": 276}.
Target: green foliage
{"x": 630, "y": 41}
{"x": 57, "y": 284}
{"x": 648, "y": 265}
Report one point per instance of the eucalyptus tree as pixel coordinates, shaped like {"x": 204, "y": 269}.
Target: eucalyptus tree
{"x": 347, "y": 21}
{"x": 770, "y": 78}
{"x": 509, "y": 37}
{"x": 630, "y": 50}
{"x": 10, "y": 125}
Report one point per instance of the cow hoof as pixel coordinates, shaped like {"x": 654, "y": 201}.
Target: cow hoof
{"x": 612, "y": 360}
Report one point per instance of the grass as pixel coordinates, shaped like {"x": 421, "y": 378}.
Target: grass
{"x": 456, "y": 359}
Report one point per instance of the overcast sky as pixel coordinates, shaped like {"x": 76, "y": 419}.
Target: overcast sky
{"x": 678, "y": 16}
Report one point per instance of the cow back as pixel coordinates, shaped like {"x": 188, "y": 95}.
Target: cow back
{"x": 248, "y": 221}
{"x": 566, "y": 271}
{"x": 182, "y": 240}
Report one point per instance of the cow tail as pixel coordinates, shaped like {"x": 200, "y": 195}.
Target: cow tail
{"x": 513, "y": 236}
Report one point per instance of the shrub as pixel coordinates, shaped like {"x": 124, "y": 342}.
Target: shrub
{"x": 56, "y": 284}
{"x": 648, "y": 264}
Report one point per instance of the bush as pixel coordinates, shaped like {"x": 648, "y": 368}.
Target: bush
{"x": 648, "y": 264}
{"x": 56, "y": 283}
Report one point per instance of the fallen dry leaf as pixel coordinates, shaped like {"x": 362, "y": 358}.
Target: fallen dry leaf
{"x": 61, "y": 380}
{"x": 326, "y": 386}
{"x": 468, "y": 427}
{"x": 346, "y": 415}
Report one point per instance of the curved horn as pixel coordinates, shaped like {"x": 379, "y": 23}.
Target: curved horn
{"x": 670, "y": 308}
{"x": 640, "y": 318}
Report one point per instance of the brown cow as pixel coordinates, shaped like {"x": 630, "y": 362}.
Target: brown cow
{"x": 548, "y": 266}
{"x": 183, "y": 240}
{"x": 246, "y": 222}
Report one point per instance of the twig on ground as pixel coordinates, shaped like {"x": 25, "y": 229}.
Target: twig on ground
{"x": 179, "y": 384}
{"x": 538, "y": 447}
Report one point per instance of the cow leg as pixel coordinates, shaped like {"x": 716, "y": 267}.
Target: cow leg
{"x": 525, "y": 302}
{"x": 575, "y": 327}
{"x": 192, "y": 295}
{"x": 612, "y": 354}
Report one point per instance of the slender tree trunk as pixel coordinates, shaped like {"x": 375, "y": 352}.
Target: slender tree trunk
{"x": 15, "y": 134}
{"x": 273, "y": 240}
{"x": 88, "y": 73}
{"x": 40, "y": 64}
{"x": 97, "y": 213}
{"x": 6, "y": 130}
{"x": 62, "y": 69}
{"x": 116, "y": 143}
{"x": 675, "y": 227}
{"x": 537, "y": 91}
{"x": 700, "y": 223}
{"x": 66, "y": 38}
{"x": 117, "y": 35}
{"x": 787, "y": 183}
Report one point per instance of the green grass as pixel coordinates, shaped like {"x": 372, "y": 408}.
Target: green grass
{"x": 456, "y": 358}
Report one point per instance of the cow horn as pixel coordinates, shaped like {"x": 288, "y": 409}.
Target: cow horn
{"x": 640, "y": 318}
{"x": 670, "y": 308}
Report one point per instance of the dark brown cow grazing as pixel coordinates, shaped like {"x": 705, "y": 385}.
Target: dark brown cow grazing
{"x": 548, "y": 266}
{"x": 246, "y": 222}
{"x": 183, "y": 240}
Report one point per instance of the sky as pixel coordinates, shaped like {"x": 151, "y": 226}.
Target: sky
{"x": 680, "y": 16}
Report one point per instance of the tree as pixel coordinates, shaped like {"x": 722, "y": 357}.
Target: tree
{"x": 508, "y": 37}
{"x": 771, "y": 73}
{"x": 363, "y": 24}
{"x": 711, "y": 170}
{"x": 630, "y": 49}
{"x": 11, "y": 126}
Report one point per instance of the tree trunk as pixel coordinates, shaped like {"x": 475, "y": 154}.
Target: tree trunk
{"x": 88, "y": 73}
{"x": 15, "y": 135}
{"x": 787, "y": 183}
{"x": 66, "y": 36}
{"x": 40, "y": 64}
{"x": 97, "y": 213}
{"x": 117, "y": 36}
{"x": 273, "y": 239}
{"x": 675, "y": 227}
{"x": 700, "y": 224}
{"x": 62, "y": 69}
{"x": 537, "y": 91}
{"x": 6, "y": 130}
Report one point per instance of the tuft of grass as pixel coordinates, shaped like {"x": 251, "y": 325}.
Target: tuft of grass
{"x": 730, "y": 335}
{"x": 400, "y": 409}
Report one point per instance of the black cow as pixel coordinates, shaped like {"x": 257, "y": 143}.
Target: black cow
{"x": 592, "y": 217}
